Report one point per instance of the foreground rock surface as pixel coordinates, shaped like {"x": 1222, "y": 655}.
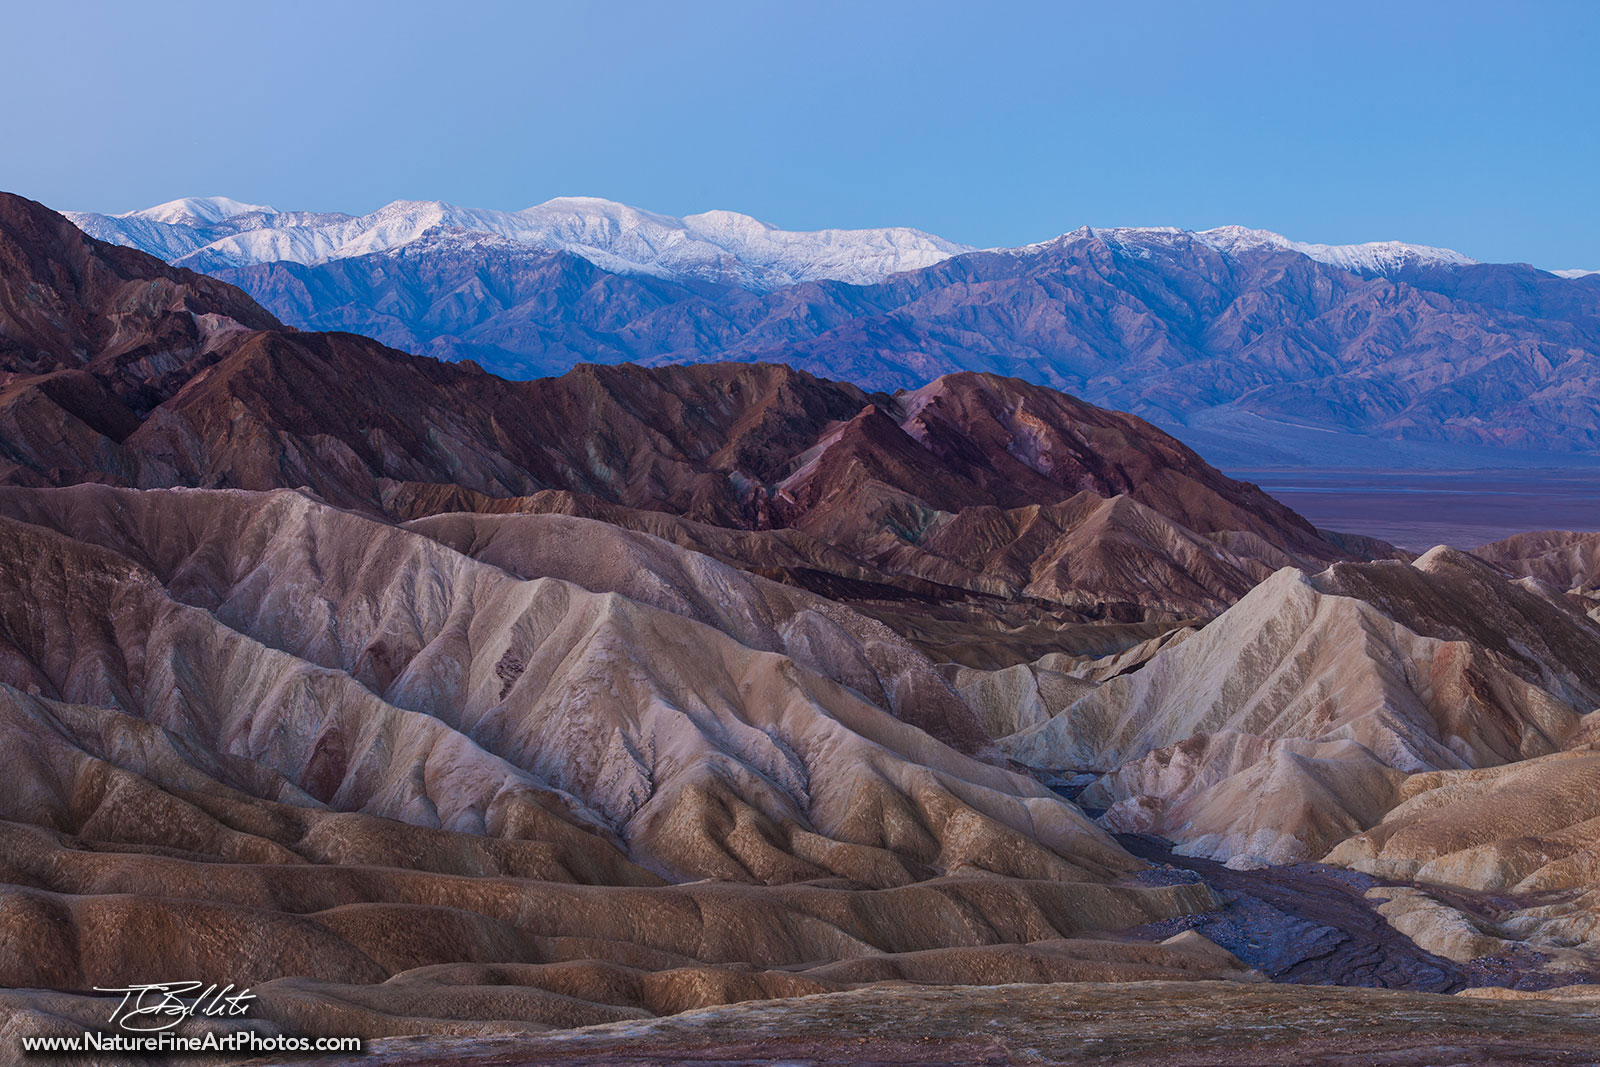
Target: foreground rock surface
{"x": 1146, "y": 1024}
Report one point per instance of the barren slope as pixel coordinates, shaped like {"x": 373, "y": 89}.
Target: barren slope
{"x": 352, "y": 751}
{"x": 1291, "y": 721}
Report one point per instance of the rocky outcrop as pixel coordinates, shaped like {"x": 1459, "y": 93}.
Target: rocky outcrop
{"x": 1292, "y": 720}
{"x": 320, "y": 634}
{"x": 351, "y": 751}
{"x": 1562, "y": 561}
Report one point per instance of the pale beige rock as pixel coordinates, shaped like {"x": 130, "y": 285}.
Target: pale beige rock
{"x": 1567, "y": 992}
{"x": 347, "y": 752}
{"x": 1527, "y": 832}
{"x": 821, "y": 636}
{"x": 1288, "y": 723}
{"x": 1525, "y": 826}
{"x": 380, "y": 671}
{"x": 1434, "y": 926}
{"x": 1017, "y": 698}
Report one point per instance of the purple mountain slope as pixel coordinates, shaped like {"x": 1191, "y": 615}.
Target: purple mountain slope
{"x": 1213, "y": 330}
{"x": 1488, "y": 354}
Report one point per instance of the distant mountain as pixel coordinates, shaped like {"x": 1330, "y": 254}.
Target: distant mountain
{"x": 1012, "y": 493}
{"x": 1259, "y": 343}
{"x": 1372, "y": 257}
{"x": 214, "y": 233}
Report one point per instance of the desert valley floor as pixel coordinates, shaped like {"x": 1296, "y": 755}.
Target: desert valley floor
{"x": 726, "y": 714}
{"x": 1416, "y": 510}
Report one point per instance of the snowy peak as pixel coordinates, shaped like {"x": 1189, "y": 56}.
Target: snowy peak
{"x": 194, "y": 210}
{"x": 1373, "y": 257}
{"x": 1232, "y": 240}
{"x": 215, "y": 233}
{"x": 1377, "y": 257}
{"x": 594, "y": 211}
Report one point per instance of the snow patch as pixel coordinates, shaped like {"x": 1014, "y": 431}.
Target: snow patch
{"x": 213, "y": 233}
{"x": 1145, "y": 242}
{"x": 193, "y": 209}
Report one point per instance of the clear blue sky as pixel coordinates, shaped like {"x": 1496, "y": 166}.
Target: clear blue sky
{"x": 1471, "y": 125}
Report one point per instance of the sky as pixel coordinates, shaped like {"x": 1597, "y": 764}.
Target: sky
{"x": 1474, "y": 126}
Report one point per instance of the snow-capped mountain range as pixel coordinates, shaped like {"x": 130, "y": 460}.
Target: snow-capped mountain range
{"x": 1232, "y": 332}
{"x": 218, "y": 233}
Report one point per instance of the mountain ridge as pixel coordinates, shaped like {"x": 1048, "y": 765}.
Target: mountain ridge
{"x": 1376, "y": 256}
{"x": 1205, "y": 330}
{"x": 213, "y": 233}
